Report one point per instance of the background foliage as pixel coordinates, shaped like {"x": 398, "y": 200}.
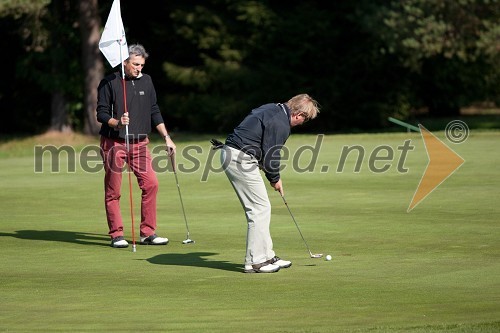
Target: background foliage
{"x": 214, "y": 60}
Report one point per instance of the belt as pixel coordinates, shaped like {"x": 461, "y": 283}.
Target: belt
{"x": 129, "y": 140}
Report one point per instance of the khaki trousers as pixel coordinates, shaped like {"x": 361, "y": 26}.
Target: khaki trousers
{"x": 243, "y": 172}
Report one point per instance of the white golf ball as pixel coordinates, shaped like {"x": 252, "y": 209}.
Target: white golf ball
{"x": 328, "y": 257}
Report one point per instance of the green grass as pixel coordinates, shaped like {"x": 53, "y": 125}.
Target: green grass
{"x": 434, "y": 269}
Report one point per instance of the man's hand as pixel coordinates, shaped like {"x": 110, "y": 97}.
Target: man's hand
{"x": 170, "y": 146}
{"x": 124, "y": 120}
{"x": 278, "y": 186}
{"x": 119, "y": 123}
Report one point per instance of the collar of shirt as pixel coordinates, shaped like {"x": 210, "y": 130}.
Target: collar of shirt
{"x": 285, "y": 109}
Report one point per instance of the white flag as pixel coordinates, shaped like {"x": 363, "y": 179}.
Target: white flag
{"x": 113, "y": 43}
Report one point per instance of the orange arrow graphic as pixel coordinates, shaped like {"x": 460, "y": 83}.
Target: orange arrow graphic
{"x": 442, "y": 163}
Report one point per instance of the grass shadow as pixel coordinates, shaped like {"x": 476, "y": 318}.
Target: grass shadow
{"x": 194, "y": 259}
{"x": 82, "y": 238}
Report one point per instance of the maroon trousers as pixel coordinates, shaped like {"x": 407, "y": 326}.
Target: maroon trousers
{"x": 114, "y": 154}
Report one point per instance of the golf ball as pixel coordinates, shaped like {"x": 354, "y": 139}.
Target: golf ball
{"x": 328, "y": 257}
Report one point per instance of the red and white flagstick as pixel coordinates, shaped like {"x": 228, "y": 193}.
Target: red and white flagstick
{"x": 115, "y": 32}
{"x": 127, "y": 143}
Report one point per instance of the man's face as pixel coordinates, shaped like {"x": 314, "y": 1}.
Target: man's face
{"x": 298, "y": 119}
{"x": 133, "y": 66}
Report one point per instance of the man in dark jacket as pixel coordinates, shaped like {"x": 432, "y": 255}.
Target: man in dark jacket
{"x": 136, "y": 119}
{"x": 256, "y": 144}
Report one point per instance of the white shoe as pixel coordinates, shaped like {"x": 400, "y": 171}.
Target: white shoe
{"x": 154, "y": 240}
{"x": 119, "y": 242}
{"x": 265, "y": 267}
{"x": 280, "y": 262}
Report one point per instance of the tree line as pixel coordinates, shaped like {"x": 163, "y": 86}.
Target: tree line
{"x": 213, "y": 60}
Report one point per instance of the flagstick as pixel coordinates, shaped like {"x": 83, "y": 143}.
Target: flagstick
{"x": 115, "y": 32}
{"x": 128, "y": 158}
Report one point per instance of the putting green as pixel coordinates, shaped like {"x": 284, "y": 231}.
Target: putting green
{"x": 434, "y": 269}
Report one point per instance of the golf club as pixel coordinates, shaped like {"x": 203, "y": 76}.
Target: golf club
{"x": 316, "y": 255}
{"x": 187, "y": 240}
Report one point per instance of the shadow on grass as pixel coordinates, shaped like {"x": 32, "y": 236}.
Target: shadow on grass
{"x": 60, "y": 236}
{"x": 194, "y": 259}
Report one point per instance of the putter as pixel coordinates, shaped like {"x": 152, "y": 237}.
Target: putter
{"x": 188, "y": 240}
{"x": 312, "y": 255}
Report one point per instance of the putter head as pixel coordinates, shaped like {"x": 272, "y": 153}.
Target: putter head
{"x": 188, "y": 241}
{"x": 317, "y": 255}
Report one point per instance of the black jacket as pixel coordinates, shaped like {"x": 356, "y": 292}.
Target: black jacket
{"x": 142, "y": 106}
{"x": 262, "y": 134}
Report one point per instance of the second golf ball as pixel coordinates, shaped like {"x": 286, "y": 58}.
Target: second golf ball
{"x": 328, "y": 257}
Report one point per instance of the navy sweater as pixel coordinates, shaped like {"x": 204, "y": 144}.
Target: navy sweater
{"x": 142, "y": 106}
{"x": 262, "y": 134}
